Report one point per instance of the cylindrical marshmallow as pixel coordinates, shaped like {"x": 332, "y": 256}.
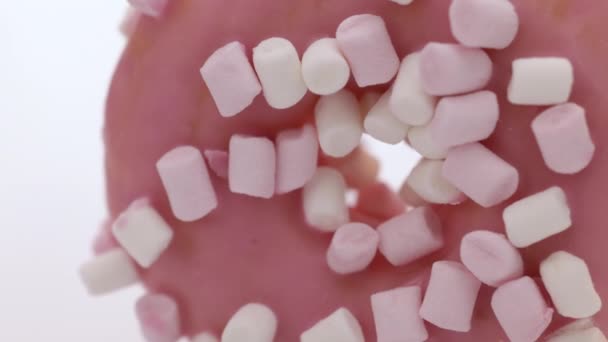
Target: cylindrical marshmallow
{"x": 579, "y": 331}
{"x": 324, "y": 200}
{"x": 464, "y": 119}
{"x": 408, "y": 101}
{"x": 352, "y": 248}
{"x": 231, "y": 79}
{"x": 410, "y": 197}
{"x": 568, "y": 281}
{"x": 366, "y": 44}
{"x": 381, "y": 124}
{"x": 410, "y": 236}
{"x": 108, "y": 272}
{"x": 450, "y": 296}
{"x": 158, "y": 317}
{"x": 421, "y": 140}
{"x": 152, "y": 8}
{"x": 278, "y": 66}
{"x": 540, "y": 81}
{"x": 521, "y": 310}
{"x": 340, "y": 326}
{"x": 252, "y": 323}
{"x": 449, "y": 69}
{"x": 218, "y": 162}
{"x": 186, "y": 180}
{"x": 205, "y": 337}
{"x": 403, "y": 2}
{"x": 537, "y": 217}
{"x": 324, "y": 68}
{"x": 564, "y": 139}
{"x": 491, "y": 257}
{"x": 338, "y": 123}
{"x": 480, "y": 174}
{"x": 484, "y": 23}
{"x": 396, "y": 315}
{"x": 251, "y": 166}
{"x": 427, "y": 181}
{"x": 297, "y": 156}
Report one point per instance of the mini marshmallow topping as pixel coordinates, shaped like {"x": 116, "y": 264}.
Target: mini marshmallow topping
{"x": 324, "y": 68}
{"x": 324, "y": 200}
{"x": 253, "y": 323}
{"x": 251, "y": 166}
{"x": 579, "y": 331}
{"x": 352, "y": 248}
{"x": 540, "y": 81}
{"x": 428, "y": 182}
{"x": 396, "y": 315}
{"x": 158, "y": 317}
{"x": 108, "y": 272}
{"x": 297, "y": 156}
{"x": 381, "y": 124}
{"x": 205, "y": 337}
{"x": 340, "y": 326}
{"x": 338, "y": 123}
{"x": 421, "y": 140}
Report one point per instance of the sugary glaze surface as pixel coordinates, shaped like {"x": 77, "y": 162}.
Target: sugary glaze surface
{"x": 252, "y": 250}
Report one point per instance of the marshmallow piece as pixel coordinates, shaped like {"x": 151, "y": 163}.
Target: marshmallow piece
{"x": 449, "y": 69}
{"x": 408, "y": 101}
{"x": 108, "y": 272}
{"x": 564, "y": 139}
{"x": 480, "y": 174}
{"x": 403, "y": 2}
{"x": 421, "y": 140}
{"x": 278, "y": 66}
{"x": 366, "y": 44}
{"x": 484, "y": 23}
{"x": 324, "y": 200}
{"x": 158, "y": 317}
{"x": 338, "y": 122}
{"x": 540, "y": 81}
{"x": 521, "y": 310}
{"x": 297, "y": 155}
{"x": 186, "y": 180}
{"x": 205, "y": 337}
{"x": 410, "y": 197}
{"x": 340, "y": 326}
{"x": 142, "y": 232}
{"x": 218, "y": 162}
{"x": 324, "y": 68}
{"x": 381, "y": 124}
{"x": 465, "y": 119}
{"x": 252, "y": 323}
{"x": 352, "y": 248}
{"x": 568, "y": 281}
{"x": 230, "y": 79}
{"x": 537, "y": 217}
{"x": 450, "y": 296}
{"x": 251, "y": 166}
{"x": 152, "y": 8}
{"x": 427, "y": 181}
{"x": 579, "y": 331}
{"x": 410, "y": 236}
{"x": 491, "y": 257}
{"x": 396, "y": 315}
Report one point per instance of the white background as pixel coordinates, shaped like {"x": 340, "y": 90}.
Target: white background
{"x": 56, "y": 59}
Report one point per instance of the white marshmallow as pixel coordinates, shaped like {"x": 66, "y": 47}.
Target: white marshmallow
{"x": 541, "y": 81}
{"x": 340, "y": 326}
{"x": 408, "y": 102}
{"x": 324, "y": 68}
{"x": 568, "y": 281}
{"x": 381, "y": 124}
{"x": 142, "y": 232}
{"x": 403, "y": 2}
{"x": 421, "y": 140}
{"x": 579, "y": 331}
{"x": 205, "y": 337}
{"x": 537, "y": 217}
{"x": 427, "y": 181}
{"x": 108, "y": 272}
{"x": 338, "y": 122}
{"x": 252, "y": 323}
{"x": 324, "y": 200}
{"x": 278, "y": 66}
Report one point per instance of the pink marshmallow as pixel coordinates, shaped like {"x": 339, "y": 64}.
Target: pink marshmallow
{"x": 158, "y": 317}
{"x": 104, "y": 240}
{"x": 367, "y": 46}
{"x": 152, "y": 8}
{"x": 218, "y": 162}
{"x": 449, "y": 69}
{"x": 396, "y": 315}
{"x": 450, "y": 296}
{"x": 186, "y": 180}
{"x": 480, "y": 174}
{"x": 251, "y": 166}
{"x": 521, "y": 310}
{"x": 564, "y": 139}
{"x": 231, "y": 79}
{"x": 297, "y": 155}
{"x": 410, "y": 236}
{"x": 484, "y": 23}
{"x": 464, "y": 119}
{"x": 352, "y": 248}
{"x": 491, "y": 257}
